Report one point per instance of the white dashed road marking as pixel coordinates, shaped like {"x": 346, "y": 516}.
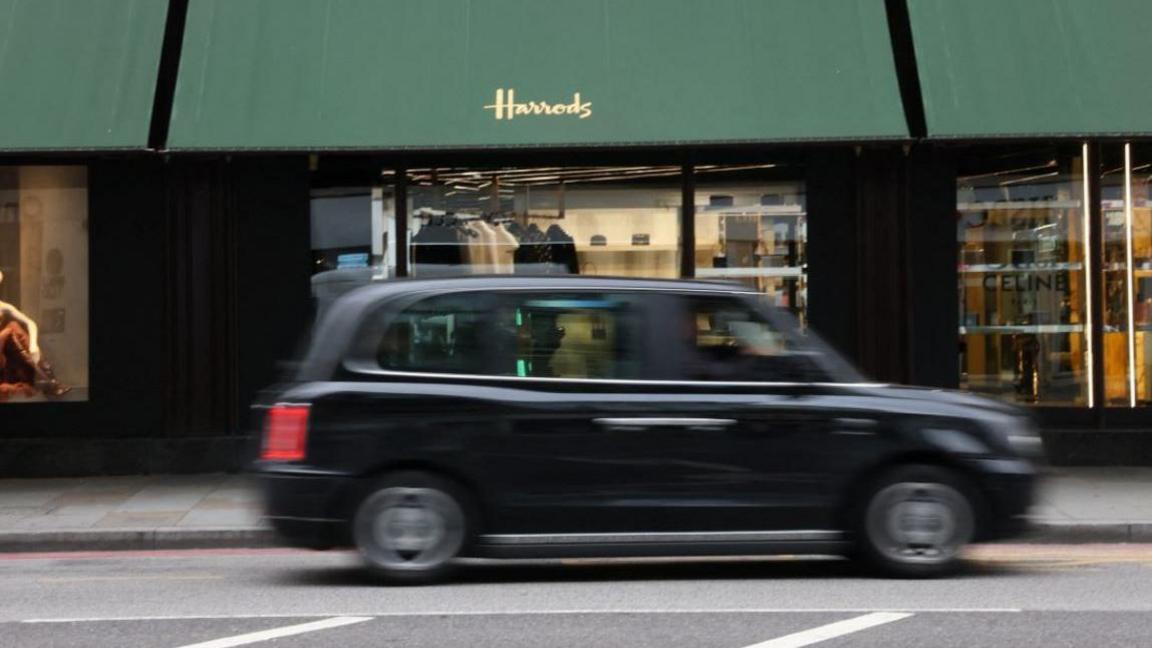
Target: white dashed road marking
{"x": 276, "y": 633}
{"x": 832, "y": 630}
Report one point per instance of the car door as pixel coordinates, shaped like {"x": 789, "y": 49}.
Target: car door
{"x": 586, "y": 444}
{"x": 736, "y": 368}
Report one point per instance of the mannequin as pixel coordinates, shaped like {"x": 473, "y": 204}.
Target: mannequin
{"x": 22, "y": 369}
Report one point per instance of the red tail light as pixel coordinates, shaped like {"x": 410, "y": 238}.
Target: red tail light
{"x": 285, "y": 433}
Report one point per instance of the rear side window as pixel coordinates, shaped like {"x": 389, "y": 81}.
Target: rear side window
{"x": 727, "y": 340}
{"x": 566, "y": 335}
{"x": 444, "y": 334}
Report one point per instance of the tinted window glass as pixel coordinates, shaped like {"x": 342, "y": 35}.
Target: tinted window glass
{"x": 566, "y": 336}
{"x": 442, "y": 334}
{"x": 729, "y": 341}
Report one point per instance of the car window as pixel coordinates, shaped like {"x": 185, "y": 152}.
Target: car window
{"x": 728, "y": 340}
{"x": 443, "y": 334}
{"x": 567, "y": 336}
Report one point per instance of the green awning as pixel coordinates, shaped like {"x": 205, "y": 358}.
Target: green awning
{"x": 386, "y": 74}
{"x": 1034, "y": 67}
{"x": 78, "y": 74}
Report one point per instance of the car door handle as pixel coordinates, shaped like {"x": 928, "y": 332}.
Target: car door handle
{"x": 651, "y": 422}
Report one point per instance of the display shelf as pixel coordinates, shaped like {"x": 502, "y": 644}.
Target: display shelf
{"x": 1018, "y": 204}
{"x": 1023, "y": 328}
{"x": 733, "y": 273}
{"x": 1121, "y": 267}
{"x": 1118, "y": 205}
{"x": 629, "y": 248}
{"x": 764, "y": 210}
{"x": 1140, "y": 328}
{"x": 978, "y": 268}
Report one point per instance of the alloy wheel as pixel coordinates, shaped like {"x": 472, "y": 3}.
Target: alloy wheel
{"x": 921, "y": 523}
{"x": 413, "y": 529}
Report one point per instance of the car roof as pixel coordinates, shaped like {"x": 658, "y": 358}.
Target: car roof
{"x": 355, "y": 301}
{"x": 391, "y": 287}
{"x": 335, "y": 329}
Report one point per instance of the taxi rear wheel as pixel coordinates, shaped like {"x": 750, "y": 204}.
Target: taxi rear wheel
{"x": 411, "y": 527}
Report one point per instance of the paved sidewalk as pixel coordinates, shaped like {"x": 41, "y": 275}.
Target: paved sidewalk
{"x": 140, "y": 512}
{"x": 161, "y": 512}
{"x": 1107, "y": 504}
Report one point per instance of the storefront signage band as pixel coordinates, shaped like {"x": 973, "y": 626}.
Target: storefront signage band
{"x": 506, "y": 106}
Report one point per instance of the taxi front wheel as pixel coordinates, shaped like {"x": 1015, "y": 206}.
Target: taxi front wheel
{"x": 915, "y": 521}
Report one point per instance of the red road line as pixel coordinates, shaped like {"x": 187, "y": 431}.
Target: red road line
{"x": 149, "y": 553}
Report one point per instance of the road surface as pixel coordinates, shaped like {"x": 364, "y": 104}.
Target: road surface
{"x": 1012, "y": 595}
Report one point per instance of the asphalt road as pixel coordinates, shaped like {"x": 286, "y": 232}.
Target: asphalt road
{"x": 1026, "y": 595}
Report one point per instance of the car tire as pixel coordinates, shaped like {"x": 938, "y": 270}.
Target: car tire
{"x": 411, "y": 527}
{"x": 914, "y": 521}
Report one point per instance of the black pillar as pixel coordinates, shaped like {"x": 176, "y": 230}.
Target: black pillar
{"x": 833, "y": 286}
{"x": 933, "y": 290}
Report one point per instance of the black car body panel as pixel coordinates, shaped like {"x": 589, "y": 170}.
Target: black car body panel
{"x": 649, "y": 465}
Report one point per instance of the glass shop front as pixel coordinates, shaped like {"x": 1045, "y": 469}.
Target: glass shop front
{"x": 746, "y": 223}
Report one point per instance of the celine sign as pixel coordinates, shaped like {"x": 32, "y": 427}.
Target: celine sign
{"x": 506, "y": 106}
{"x": 1027, "y": 282}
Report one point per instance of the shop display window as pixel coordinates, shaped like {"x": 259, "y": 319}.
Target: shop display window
{"x": 751, "y": 227}
{"x": 616, "y": 221}
{"x": 353, "y": 238}
{"x": 1126, "y": 266}
{"x": 1025, "y": 322}
{"x": 43, "y": 283}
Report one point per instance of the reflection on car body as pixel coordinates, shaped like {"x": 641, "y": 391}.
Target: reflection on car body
{"x": 550, "y": 417}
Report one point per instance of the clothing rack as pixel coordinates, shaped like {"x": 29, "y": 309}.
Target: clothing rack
{"x": 425, "y": 213}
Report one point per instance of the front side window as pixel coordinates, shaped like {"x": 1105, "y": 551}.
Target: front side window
{"x": 727, "y": 340}
{"x": 444, "y": 334}
{"x": 577, "y": 335}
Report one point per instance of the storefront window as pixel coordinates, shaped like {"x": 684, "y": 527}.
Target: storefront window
{"x": 353, "y": 238}
{"x": 1024, "y": 319}
{"x": 1126, "y": 208}
{"x": 43, "y": 283}
{"x": 618, "y": 221}
{"x": 751, "y": 227}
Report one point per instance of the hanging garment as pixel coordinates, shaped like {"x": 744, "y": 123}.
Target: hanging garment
{"x": 506, "y": 246}
{"x": 475, "y": 241}
{"x": 482, "y": 247}
{"x": 533, "y": 256}
{"x": 438, "y": 249}
{"x": 563, "y": 250}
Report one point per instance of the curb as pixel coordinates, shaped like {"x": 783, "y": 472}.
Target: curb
{"x": 1086, "y": 532}
{"x": 137, "y": 539}
{"x": 257, "y": 537}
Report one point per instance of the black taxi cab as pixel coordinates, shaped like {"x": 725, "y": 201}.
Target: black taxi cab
{"x": 517, "y": 417}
